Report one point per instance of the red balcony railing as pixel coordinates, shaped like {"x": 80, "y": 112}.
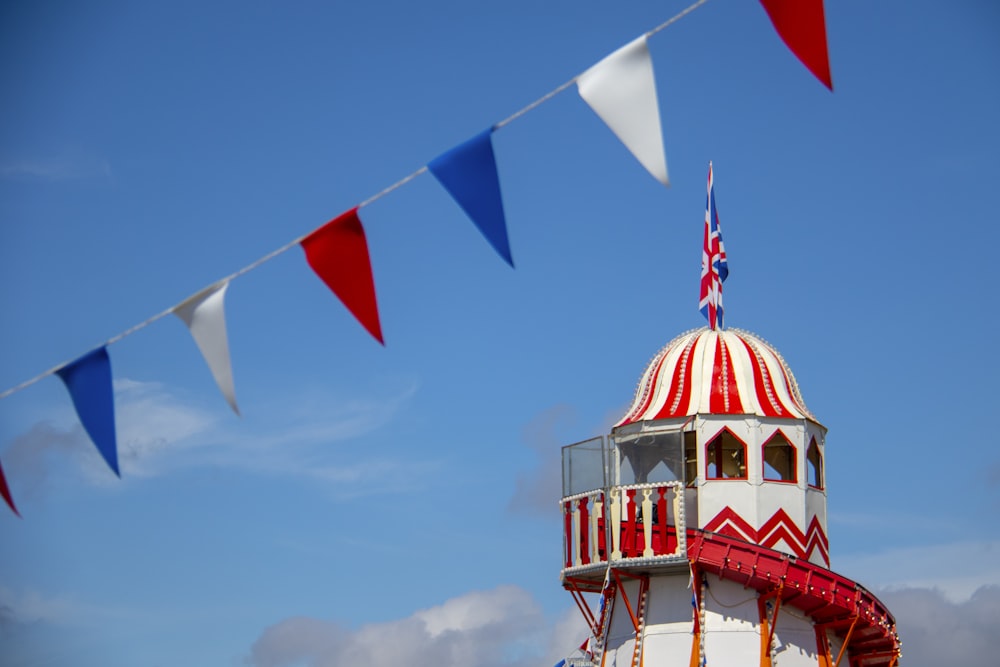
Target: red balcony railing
{"x": 637, "y": 523}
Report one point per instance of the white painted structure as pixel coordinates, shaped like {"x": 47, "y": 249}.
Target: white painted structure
{"x": 700, "y": 522}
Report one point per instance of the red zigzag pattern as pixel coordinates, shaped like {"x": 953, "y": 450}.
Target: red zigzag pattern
{"x": 778, "y": 527}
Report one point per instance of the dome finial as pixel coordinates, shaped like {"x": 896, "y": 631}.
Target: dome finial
{"x": 714, "y": 266}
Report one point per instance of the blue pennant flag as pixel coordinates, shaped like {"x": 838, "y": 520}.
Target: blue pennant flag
{"x": 88, "y": 380}
{"x": 469, "y": 173}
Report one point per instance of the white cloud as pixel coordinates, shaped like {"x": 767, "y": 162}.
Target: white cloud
{"x": 26, "y": 607}
{"x": 45, "y": 451}
{"x": 535, "y": 491}
{"x": 501, "y": 627}
{"x": 505, "y": 628}
{"x": 956, "y": 570}
{"x": 474, "y": 611}
{"x": 150, "y": 421}
{"x": 159, "y": 432}
{"x": 936, "y": 631}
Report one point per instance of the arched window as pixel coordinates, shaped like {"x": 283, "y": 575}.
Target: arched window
{"x": 814, "y": 465}
{"x": 726, "y": 457}
{"x": 779, "y": 459}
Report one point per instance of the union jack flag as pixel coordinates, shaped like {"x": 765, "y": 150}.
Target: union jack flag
{"x": 714, "y": 266}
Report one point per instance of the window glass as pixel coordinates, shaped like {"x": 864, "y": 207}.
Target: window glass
{"x": 779, "y": 459}
{"x": 726, "y": 457}
{"x": 814, "y": 465}
{"x": 691, "y": 457}
{"x": 583, "y": 466}
{"x": 650, "y": 457}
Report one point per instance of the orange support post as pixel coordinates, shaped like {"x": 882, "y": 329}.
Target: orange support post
{"x": 628, "y": 605}
{"x": 768, "y": 624}
{"x": 581, "y": 603}
{"x": 823, "y": 658}
{"x": 847, "y": 640}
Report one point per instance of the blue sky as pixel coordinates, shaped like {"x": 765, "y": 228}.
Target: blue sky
{"x": 410, "y": 491}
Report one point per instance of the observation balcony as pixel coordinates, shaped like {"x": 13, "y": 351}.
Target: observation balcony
{"x": 624, "y": 504}
{"x": 635, "y": 525}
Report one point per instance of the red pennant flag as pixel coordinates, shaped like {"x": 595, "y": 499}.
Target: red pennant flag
{"x": 802, "y": 26}
{"x": 5, "y": 492}
{"x": 338, "y": 253}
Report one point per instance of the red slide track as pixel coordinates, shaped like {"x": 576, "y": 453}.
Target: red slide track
{"x": 833, "y": 602}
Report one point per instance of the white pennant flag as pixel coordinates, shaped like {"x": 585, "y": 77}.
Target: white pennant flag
{"x": 205, "y": 317}
{"x": 621, "y": 90}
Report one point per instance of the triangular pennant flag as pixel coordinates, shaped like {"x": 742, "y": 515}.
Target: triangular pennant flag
{"x": 621, "y": 89}
{"x": 5, "y": 492}
{"x": 205, "y": 317}
{"x": 469, "y": 173}
{"x": 801, "y": 25}
{"x": 88, "y": 380}
{"x": 338, "y": 253}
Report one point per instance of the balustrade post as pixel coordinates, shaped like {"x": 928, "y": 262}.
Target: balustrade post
{"x": 680, "y": 520}
{"x": 647, "y": 523}
{"x": 616, "y": 524}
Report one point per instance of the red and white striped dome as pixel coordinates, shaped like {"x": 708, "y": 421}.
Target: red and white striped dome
{"x": 717, "y": 372}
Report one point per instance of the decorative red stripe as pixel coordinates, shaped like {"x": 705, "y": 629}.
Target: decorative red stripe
{"x": 791, "y": 390}
{"x": 717, "y": 396}
{"x": 735, "y": 403}
{"x": 672, "y": 384}
{"x": 725, "y": 397}
{"x": 679, "y": 396}
{"x": 648, "y": 389}
{"x": 769, "y": 407}
{"x": 775, "y": 397}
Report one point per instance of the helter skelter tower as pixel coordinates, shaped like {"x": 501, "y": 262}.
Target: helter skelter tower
{"x": 700, "y": 520}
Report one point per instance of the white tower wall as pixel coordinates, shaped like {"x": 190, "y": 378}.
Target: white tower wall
{"x": 731, "y": 631}
{"x": 789, "y": 516}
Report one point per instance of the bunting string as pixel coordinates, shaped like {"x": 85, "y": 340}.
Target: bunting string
{"x": 620, "y": 89}
{"x": 569, "y": 84}
{"x": 291, "y": 244}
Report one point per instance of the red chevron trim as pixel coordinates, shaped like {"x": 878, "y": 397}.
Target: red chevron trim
{"x": 779, "y": 527}
{"x": 728, "y": 518}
